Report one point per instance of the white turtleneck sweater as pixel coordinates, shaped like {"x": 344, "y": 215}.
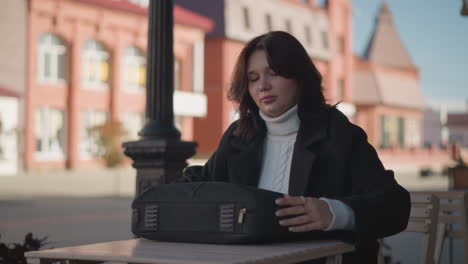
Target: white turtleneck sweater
{"x": 276, "y": 165}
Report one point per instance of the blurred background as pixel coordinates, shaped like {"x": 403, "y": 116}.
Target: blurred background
{"x": 72, "y": 89}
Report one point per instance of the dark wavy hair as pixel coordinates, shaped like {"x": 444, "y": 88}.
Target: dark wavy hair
{"x": 286, "y": 57}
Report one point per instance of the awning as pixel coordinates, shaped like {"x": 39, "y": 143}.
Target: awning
{"x": 7, "y": 92}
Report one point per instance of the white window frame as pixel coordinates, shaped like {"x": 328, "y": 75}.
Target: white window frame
{"x": 268, "y": 22}
{"x": 325, "y": 39}
{"x": 54, "y": 153}
{"x": 177, "y": 74}
{"x": 132, "y": 60}
{"x": 198, "y": 66}
{"x": 132, "y": 122}
{"x": 142, "y": 3}
{"x": 54, "y": 50}
{"x": 288, "y": 27}
{"x": 89, "y": 147}
{"x": 308, "y": 35}
{"x": 94, "y": 55}
{"x": 246, "y": 18}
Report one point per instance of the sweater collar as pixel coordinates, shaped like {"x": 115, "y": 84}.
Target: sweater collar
{"x": 285, "y": 124}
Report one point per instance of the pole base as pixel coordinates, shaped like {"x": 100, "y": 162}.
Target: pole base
{"x": 158, "y": 161}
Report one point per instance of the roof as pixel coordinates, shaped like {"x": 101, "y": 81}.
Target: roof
{"x": 457, "y": 119}
{"x": 385, "y": 46}
{"x": 181, "y": 15}
{"x": 387, "y": 89}
{"x": 6, "y": 92}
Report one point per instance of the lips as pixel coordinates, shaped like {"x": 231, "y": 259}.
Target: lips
{"x": 268, "y": 99}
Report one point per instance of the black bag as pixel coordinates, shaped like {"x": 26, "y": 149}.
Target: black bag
{"x": 208, "y": 212}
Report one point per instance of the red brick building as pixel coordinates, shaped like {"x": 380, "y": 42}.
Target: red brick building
{"x": 86, "y": 64}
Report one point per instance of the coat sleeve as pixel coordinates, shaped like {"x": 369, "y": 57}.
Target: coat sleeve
{"x": 215, "y": 169}
{"x": 380, "y": 204}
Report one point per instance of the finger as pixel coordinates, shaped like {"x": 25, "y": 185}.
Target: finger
{"x": 306, "y": 228}
{"x": 294, "y": 210}
{"x": 295, "y": 221}
{"x": 291, "y": 200}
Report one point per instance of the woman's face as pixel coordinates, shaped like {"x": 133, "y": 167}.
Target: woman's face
{"x": 272, "y": 93}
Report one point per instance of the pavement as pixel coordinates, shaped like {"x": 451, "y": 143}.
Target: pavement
{"x": 120, "y": 182}
{"x": 71, "y": 183}
{"x": 92, "y": 182}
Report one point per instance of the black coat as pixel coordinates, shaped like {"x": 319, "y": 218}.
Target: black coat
{"x": 332, "y": 158}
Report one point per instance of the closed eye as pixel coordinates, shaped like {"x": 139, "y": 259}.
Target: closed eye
{"x": 253, "y": 77}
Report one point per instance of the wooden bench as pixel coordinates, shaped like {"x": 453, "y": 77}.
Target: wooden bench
{"x": 453, "y": 211}
{"x": 423, "y": 219}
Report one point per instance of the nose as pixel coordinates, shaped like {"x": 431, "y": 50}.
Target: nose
{"x": 264, "y": 84}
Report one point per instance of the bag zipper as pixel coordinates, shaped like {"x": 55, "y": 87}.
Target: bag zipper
{"x": 242, "y": 212}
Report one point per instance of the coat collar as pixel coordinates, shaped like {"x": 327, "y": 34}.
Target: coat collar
{"x": 246, "y": 165}
{"x": 244, "y": 168}
{"x": 311, "y": 131}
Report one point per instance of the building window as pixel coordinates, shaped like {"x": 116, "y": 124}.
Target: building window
{"x": 288, "y": 26}
{"x": 401, "y": 132}
{"x": 133, "y": 69}
{"x": 308, "y": 34}
{"x": 245, "y": 12}
{"x": 456, "y": 138}
{"x": 178, "y": 122}
{"x": 50, "y": 134}
{"x": 51, "y": 59}
{"x": 268, "y": 22}
{"x": 90, "y": 145}
{"x": 340, "y": 89}
{"x": 198, "y": 66}
{"x": 413, "y": 130}
{"x": 325, "y": 39}
{"x": 142, "y": 3}
{"x": 176, "y": 74}
{"x": 341, "y": 45}
{"x": 132, "y": 123}
{"x": 95, "y": 65}
{"x": 385, "y": 128}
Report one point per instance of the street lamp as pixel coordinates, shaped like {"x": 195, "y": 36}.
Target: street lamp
{"x": 159, "y": 156}
{"x": 464, "y": 11}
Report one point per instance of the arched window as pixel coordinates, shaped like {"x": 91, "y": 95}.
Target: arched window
{"x": 95, "y": 72}
{"x": 51, "y": 59}
{"x": 133, "y": 69}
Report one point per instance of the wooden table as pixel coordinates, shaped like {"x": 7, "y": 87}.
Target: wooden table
{"x": 155, "y": 252}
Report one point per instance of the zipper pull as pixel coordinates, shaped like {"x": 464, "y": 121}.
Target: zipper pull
{"x": 242, "y": 212}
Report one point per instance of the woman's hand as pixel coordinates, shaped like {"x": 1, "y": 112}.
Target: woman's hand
{"x": 311, "y": 213}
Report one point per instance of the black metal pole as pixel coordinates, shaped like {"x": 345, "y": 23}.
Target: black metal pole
{"x": 159, "y": 156}
{"x": 160, "y": 72}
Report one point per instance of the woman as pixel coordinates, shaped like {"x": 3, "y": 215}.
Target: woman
{"x": 287, "y": 139}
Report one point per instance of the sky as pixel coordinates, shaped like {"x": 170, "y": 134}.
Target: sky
{"x": 436, "y": 36}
